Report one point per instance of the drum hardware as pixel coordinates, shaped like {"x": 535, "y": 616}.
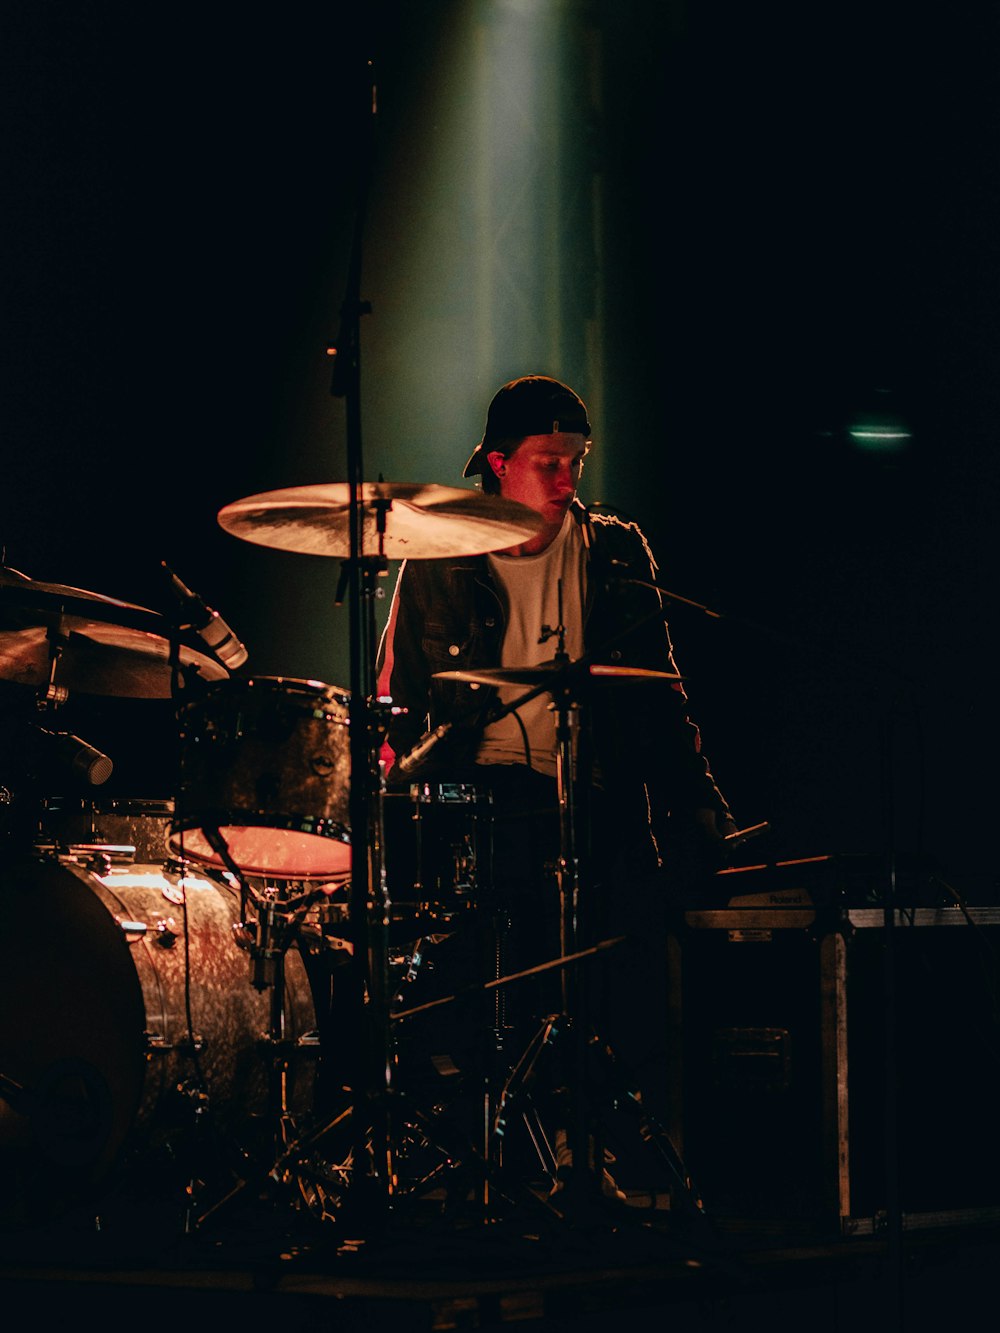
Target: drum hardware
{"x": 410, "y": 963}
{"x": 366, "y": 525}
{"x": 97, "y": 856}
{"x": 576, "y": 1173}
{"x": 59, "y": 640}
{"x": 266, "y": 929}
{"x": 478, "y": 1163}
{"x": 277, "y": 921}
{"x": 617, "y": 1099}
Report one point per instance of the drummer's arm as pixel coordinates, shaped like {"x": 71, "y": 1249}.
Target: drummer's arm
{"x": 402, "y": 671}
{"x": 386, "y": 658}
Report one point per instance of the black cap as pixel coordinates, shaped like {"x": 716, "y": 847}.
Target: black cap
{"x": 531, "y": 405}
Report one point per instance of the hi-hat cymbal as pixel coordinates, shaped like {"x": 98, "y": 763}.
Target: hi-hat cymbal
{"x": 546, "y": 672}
{"x": 104, "y": 646}
{"x": 417, "y": 521}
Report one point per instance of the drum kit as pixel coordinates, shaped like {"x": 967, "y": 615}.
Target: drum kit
{"x": 172, "y": 958}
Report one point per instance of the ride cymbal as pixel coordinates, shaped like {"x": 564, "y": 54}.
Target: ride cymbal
{"x": 399, "y": 520}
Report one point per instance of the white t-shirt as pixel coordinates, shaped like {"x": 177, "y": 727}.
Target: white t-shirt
{"x": 534, "y": 584}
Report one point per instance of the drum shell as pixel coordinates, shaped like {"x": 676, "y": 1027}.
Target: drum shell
{"x": 94, "y": 1036}
{"x": 120, "y": 822}
{"x": 266, "y": 761}
{"x": 438, "y": 851}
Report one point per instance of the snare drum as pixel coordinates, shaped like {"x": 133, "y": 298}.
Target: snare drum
{"x": 438, "y": 851}
{"x": 265, "y": 763}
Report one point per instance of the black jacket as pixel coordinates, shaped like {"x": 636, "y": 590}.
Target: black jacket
{"x": 449, "y": 614}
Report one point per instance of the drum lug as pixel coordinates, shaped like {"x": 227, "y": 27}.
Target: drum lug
{"x": 244, "y": 935}
{"x": 166, "y": 936}
{"x": 133, "y": 930}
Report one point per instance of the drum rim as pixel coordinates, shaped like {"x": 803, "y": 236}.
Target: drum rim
{"x": 233, "y": 818}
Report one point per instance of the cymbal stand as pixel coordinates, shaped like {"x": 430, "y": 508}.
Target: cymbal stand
{"x": 369, "y": 1073}
{"x": 575, "y": 1168}
{"x": 572, "y": 1018}
{"x": 487, "y": 1162}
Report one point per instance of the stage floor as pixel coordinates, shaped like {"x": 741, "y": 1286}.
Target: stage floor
{"x": 584, "y": 1265}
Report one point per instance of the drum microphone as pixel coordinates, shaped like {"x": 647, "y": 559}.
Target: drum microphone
{"x": 423, "y": 747}
{"x": 207, "y": 624}
{"x": 71, "y": 753}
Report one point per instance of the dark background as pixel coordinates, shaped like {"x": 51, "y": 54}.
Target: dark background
{"x": 800, "y": 213}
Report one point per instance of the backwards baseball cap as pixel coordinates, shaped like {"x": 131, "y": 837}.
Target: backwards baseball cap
{"x": 531, "y": 405}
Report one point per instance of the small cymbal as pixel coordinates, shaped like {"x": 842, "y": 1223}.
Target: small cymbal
{"x": 419, "y": 522}
{"x": 546, "y": 672}
{"x": 106, "y": 646}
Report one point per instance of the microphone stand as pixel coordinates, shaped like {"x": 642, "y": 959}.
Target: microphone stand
{"x": 368, "y": 1195}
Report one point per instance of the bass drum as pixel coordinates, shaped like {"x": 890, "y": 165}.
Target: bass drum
{"x": 130, "y": 1029}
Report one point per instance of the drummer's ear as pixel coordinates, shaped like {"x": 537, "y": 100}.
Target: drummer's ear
{"x": 497, "y": 461}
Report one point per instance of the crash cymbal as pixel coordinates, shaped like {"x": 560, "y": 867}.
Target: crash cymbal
{"x": 108, "y": 647}
{"x": 547, "y": 672}
{"x": 420, "y": 521}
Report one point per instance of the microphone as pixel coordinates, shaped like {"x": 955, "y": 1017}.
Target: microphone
{"x": 423, "y": 747}
{"x": 207, "y": 624}
{"x": 74, "y": 756}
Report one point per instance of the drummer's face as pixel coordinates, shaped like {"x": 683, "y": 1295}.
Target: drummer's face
{"x": 542, "y": 473}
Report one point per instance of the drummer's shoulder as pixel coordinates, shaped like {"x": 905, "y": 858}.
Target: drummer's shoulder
{"x": 620, "y": 536}
{"x": 611, "y": 523}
